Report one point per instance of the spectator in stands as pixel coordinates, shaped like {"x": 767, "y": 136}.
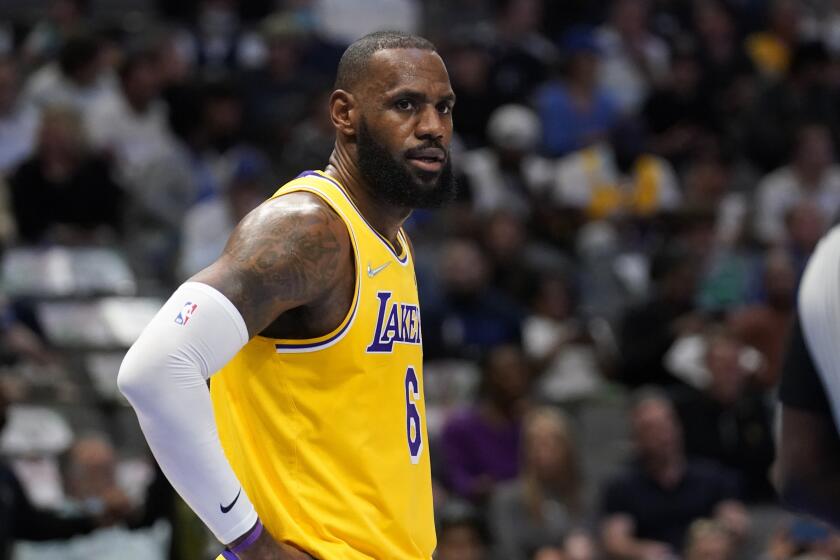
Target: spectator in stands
{"x": 806, "y": 223}
{"x": 619, "y": 178}
{"x": 90, "y": 482}
{"x": 770, "y": 49}
{"x": 461, "y": 534}
{"x": 20, "y": 520}
{"x": 507, "y": 174}
{"x": 18, "y": 121}
{"x": 709, "y": 184}
{"x": 469, "y": 315}
{"x": 132, "y": 125}
{"x": 208, "y": 224}
{"x": 709, "y": 540}
{"x": 77, "y": 79}
{"x": 575, "y": 110}
{"x": 44, "y": 41}
{"x": 63, "y": 193}
{"x": 649, "y": 508}
{"x": 311, "y": 140}
{"x": 812, "y": 175}
{"x": 277, "y": 93}
{"x": 634, "y": 60}
{"x": 469, "y": 62}
{"x": 807, "y": 95}
{"x": 542, "y": 508}
{"x": 648, "y": 330}
{"x": 727, "y": 421}
{"x": 764, "y": 325}
{"x": 677, "y": 112}
{"x": 721, "y": 56}
{"x": 558, "y": 343}
{"x": 218, "y": 42}
{"x": 480, "y": 445}
{"x": 522, "y": 54}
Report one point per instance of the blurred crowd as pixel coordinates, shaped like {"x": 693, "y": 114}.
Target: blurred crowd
{"x": 605, "y": 306}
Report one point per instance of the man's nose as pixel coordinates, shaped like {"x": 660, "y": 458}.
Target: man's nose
{"x": 431, "y": 125}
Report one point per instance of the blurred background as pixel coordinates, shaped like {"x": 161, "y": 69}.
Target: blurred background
{"x": 605, "y": 306}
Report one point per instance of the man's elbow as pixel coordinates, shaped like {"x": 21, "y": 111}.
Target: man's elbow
{"x": 134, "y": 380}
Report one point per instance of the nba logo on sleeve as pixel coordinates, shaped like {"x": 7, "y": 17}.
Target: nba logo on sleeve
{"x": 185, "y": 313}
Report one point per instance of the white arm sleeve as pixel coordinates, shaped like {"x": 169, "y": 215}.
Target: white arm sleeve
{"x": 819, "y": 314}
{"x": 164, "y": 377}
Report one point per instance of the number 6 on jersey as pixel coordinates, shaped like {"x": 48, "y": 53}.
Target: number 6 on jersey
{"x": 413, "y": 421}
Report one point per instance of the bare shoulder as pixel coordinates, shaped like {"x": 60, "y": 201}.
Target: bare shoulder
{"x": 286, "y": 253}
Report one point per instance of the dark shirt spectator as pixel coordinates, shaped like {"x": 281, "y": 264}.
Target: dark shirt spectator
{"x": 20, "y": 520}
{"x": 647, "y": 331}
{"x": 468, "y": 316}
{"x": 62, "y": 187}
{"x": 728, "y": 421}
{"x": 648, "y": 509}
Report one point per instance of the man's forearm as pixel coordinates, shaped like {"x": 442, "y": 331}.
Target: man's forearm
{"x": 164, "y": 378}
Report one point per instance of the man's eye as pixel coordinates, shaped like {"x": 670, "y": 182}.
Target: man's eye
{"x": 444, "y": 108}
{"x": 404, "y": 105}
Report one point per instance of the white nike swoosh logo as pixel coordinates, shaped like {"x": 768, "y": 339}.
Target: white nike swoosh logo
{"x": 374, "y": 271}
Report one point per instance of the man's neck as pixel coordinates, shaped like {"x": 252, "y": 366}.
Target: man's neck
{"x": 384, "y": 218}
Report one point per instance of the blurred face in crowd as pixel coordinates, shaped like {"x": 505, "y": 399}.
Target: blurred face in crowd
{"x": 706, "y": 181}
{"x": 522, "y": 16}
{"x": 464, "y": 268}
{"x": 282, "y": 56}
{"x": 814, "y": 150}
{"x": 64, "y": 12}
{"x": 785, "y": 18}
{"x": 470, "y": 67}
{"x": 583, "y": 67}
{"x": 685, "y": 74}
{"x": 60, "y": 136}
{"x": 505, "y": 236}
{"x": 142, "y": 84}
{"x": 460, "y": 542}
{"x": 630, "y": 18}
{"x": 8, "y": 86}
{"x": 709, "y": 544}
{"x": 728, "y": 377}
{"x": 806, "y": 225}
{"x": 91, "y": 468}
{"x": 714, "y": 26}
{"x": 404, "y": 128}
{"x": 780, "y": 281}
{"x": 656, "y": 431}
{"x": 553, "y": 299}
{"x": 548, "y": 447}
{"x": 506, "y": 375}
{"x": 223, "y": 119}
{"x": 680, "y": 283}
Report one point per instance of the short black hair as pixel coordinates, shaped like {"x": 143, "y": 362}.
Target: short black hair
{"x": 355, "y": 59}
{"x": 137, "y": 59}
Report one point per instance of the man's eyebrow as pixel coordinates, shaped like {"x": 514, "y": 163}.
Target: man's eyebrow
{"x": 418, "y": 95}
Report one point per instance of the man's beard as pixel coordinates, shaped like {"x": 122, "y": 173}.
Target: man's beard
{"x": 392, "y": 181}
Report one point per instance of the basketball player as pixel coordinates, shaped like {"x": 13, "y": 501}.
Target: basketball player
{"x": 807, "y": 469}
{"x": 312, "y": 439}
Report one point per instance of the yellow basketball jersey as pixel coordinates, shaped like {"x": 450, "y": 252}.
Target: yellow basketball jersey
{"x": 328, "y": 435}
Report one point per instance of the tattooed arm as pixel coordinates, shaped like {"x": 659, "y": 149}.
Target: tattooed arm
{"x": 290, "y": 251}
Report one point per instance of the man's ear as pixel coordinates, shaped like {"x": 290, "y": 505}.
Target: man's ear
{"x": 343, "y": 112}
